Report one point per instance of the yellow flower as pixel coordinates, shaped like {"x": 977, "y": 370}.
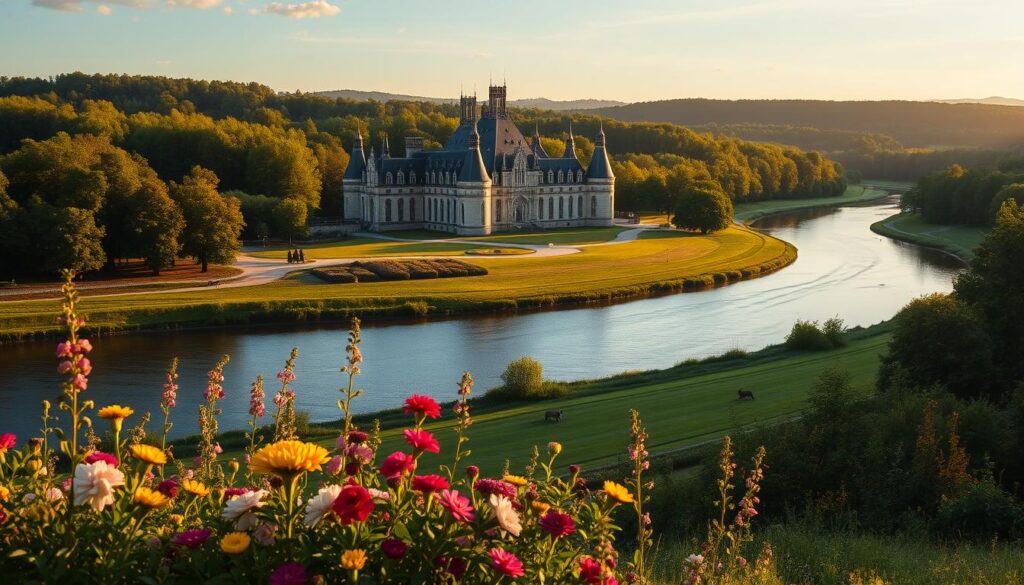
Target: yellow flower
{"x": 515, "y": 480}
{"x": 353, "y": 560}
{"x": 539, "y": 507}
{"x": 5, "y": 494}
{"x": 287, "y": 458}
{"x": 150, "y": 498}
{"x": 176, "y": 519}
{"x": 116, "y": 412}
{"x": 554, "y": 448}
{"x": 235, "y": 543}
{"x": 618, "y": 492}
{"x": 149, "y": 454}
{"x": 194, "y": 487}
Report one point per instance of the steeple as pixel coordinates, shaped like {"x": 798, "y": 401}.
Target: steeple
{"x": 357, "y": 162}
{"x": 570, "y": 144}
{"x": 473, "y": 169}
{"x": 385, "y": 149}
{"x": 537, "y": 147}
{"x": 600, "y": 167}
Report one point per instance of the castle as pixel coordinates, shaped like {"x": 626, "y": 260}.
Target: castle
{"x": 487, "y": 178}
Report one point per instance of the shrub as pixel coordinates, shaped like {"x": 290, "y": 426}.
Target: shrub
{"x": 835, "y": 330}
{"x": 704, "y": 207}
{"x": 984, "y": 511}
{"x": 523, "y": 377}
{"x": 807, "y": 336}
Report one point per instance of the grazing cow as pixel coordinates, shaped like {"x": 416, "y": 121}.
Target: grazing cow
{"x": 555, "y": 415}
{"x": 745, "y": 395}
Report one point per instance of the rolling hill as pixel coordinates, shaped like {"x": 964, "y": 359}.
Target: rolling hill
{"x": 542, "y": 103}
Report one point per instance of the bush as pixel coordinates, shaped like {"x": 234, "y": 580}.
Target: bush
{"x": 807, "y": 336}
{"x": 523, "y": 377}
{"x": 985, "y": 511}
{"x": 704, "y": 207}
{"x": 835, "y": 331}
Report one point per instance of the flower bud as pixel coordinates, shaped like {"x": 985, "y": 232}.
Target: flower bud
{"x": 554, "y": 448}
{"x": 233, "y": 465}
{"x": 473, "y": 471}
{"x": 574, "y": 469}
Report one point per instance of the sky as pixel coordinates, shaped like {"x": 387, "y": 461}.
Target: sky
{"x": 629, "y": 50}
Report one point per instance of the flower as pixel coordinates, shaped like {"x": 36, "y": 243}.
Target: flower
{"x": 64, "y": 349}
{"x": 357, "y": 437}
{"x": 618, "y": 492}
{"x": 423, "y": 406}
{"x": 257, "y": 408}
{"x": 149, "y": 454}
{"x": 287, "y": 458}
{"x": 515, "y": 479}
{"x": 83, "y": 346}
{"x": 150, "y": 497}
{"x": 192, "y": 538}
{"x": 265, "y": 534}
{"x": 506, "y": 563}
{"x": 353, "y": 504}
{"x": 168, "y": 487}
{"x": 394, "y": 548}
{"x": 379, "y": 494}
{"x": 289, "y": 574}
{"x": 557, "y": 524}
{"x": 429, "y": 484}
{"x": 507, "y": 518}
{"x": 80, "y": 382}
{"x": 353, "y": 560}
{"x": 115, "y": 412}
{"x": 94, "y": 484}
{"x": 53, "y": 494}
{"x": 472, "y": 471}
{"x": 101, "y": 456}
{"x": 455, "y": 566}
{"x": 539, "y": 507}
{"x": 495, "y": 486}
{"x": 421, "y": 440}
{"x": 591, "y": 570}
{"x": 85, "y": 366}
{"x": 196, "y": 488}
{"x": 554, "y": 448}
{"x": 320, "y": 504}
{"x": 334, "y": 465}
{"x": 456, "y": 504}
{"x": 239, "y": 509}
{"x": 396, "y": 465}
{"x": 235, "y": 543}
{"x": 5, "y": 494}
{"x": 236, "y": 491}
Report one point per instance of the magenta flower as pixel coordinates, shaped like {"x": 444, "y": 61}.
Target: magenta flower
{"x": 168, "y": 487}
{"x": 424, "y": 406}
{"x": 557, "y": 524}
{"x": 357, "y": 437}
{"x": 506, "y": 563}
{"x": 394, "y": 548}
{"x": 289, "y": 574}
{"x": 396, "y": 465}
{"x": 192, "y": 538}
{"x": 101, "y": 456}
{"x": 495, "y": 486}
{"x": 334, "y": 465}
{"x": 455, "y": 566}
{"x": 457, "y": 505}
{"x": 421, "y": 440}
{"x": 429, "y": 484}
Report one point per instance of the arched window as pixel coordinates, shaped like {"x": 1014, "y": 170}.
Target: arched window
{"x": 593, "y": 206}
{"x": 401, "y": 209}
{"x": 433, "y": 177}
{"x": 579, "y": 205}
{"x": 447, "y": 178}
{"x": 579, "y": 176}
{"x": 561, "y": 207}
{"x": 570, "y": 202}
{"x": 387, "y": 179}
{"x": 412, "y": 210}
{"x": 551, "y": 176}
{"x": 551, "y": 208}
{"x": 569, "y": 176}
{"x": 401, "y": 178}
{"x": 497, "y": 211}
{"x": 412, "y": 177}
{"x": 561, "y": 177}
{"x": 540, "y": 207}
{"x": 387, "y": 210}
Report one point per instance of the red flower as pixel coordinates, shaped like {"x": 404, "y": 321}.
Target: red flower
{"x": 472, "y": 471}
{"x": 100, "y": 456}
{"x": 506, "y": 562}
{"x": 7, "y": 441}
{"x": 235, "y": 491}
{"x": 495, "y": 486}
{"x": 429, "y": 483}
{"x": 394, "y": 548}
{"x": 357, "y": 437}
{"x": 591, "y": 571}
{"x": 353, "y": 504}
{"x": 422, "y": 441}
{"x": 396, "y": 465}
{"x": 557, "y": 524}
{"x": 167, "y": 487}
{"x": 422, "y": 406}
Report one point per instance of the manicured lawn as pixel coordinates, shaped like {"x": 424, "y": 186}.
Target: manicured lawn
{"x": 364, "y": 247}
{"x": 612, "y": 271}
{"x": 957, "y": 239}
{"x": 564, "y": 236}
{"x": 747, "y": 212}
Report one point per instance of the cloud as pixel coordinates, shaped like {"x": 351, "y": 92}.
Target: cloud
{"x": 76, "y": 5}
{"x": 312, "y": 9}
{"x": 104, "y": 9}
{"x": 200, "y": 4}
{"x": 229, "y": 10}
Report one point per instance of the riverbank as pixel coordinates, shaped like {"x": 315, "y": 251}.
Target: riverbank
{"x": 958, "y": 240}
{"x": 654, "y": 263}
{"x": 747, "y": 213}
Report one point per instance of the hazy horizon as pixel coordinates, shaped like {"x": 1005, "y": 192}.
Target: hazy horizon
{"x": 644, "y": 51}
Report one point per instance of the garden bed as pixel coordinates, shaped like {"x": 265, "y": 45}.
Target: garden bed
{"x": 380, "y": 270}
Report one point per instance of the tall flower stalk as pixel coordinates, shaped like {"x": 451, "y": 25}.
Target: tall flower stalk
{"x": 208, "y": 418}
{"x": 639, "y": 456}
{"x": 168, "y": 400}
{"x": 284, "y": 418}
{"x": 354, "y": 357}
{"x": 257, "y": 409}
{"x": 461, "y": 410}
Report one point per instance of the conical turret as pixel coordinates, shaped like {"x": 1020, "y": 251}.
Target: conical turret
{"x": 600, "y": 167}
{"x": 473, "y": 169}
{"x": 537, "y": 147}
{"x": 357, "y": 162}
{"x": 570, "y": 145}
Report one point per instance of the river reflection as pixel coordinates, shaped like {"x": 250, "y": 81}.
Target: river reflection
{"x": 843, "y": 269}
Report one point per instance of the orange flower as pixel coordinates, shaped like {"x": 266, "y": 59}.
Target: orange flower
{"x": 618, "y": 492}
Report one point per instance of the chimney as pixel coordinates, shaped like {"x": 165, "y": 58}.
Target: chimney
{"x": 413, "y": 144}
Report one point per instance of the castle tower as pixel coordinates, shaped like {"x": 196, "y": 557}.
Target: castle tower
{"x": 496, "y": 101}
{"x": 570, "y": 145}
{"x": 467, "y": 109}
{"x": 601, "y": 184}
{"x": 353, "y": 180}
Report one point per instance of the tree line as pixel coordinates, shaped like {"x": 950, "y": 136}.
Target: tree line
{"x": 958, "y": 195}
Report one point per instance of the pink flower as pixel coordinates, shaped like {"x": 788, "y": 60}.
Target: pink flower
{"x": 394, "y": 548}
{"x": 286, "y": 376}
{"x": 80, "y": 382}
{"x": 396, "y": 465}
{"x": 235, "y": 491}
{"x": 360, "y": 453}
{"x": 506, "y": 563}
{"x": 7, "y": 441}
{"x": 85, "y": 366}
{"x": 354, "y": 504}
{"x": 192, "y": 538}
{"x": 591, "y": 570}
{"x": 424, "y": 406}
{"x": 101, "y": 456}
{"x": 64, "y": 367}
{"x": 421, "y": 440}
{"x": 83, "y": 346}
{"x": 557, "y": 524}
{"x": 495, "y": 486}
{"x": 429, "y": 484}
{"x": 456, "y": 504}
{"x": 256, "y": 405}
{"x": 265, "y": 534}
{"x": 334, "y": 465}
{"x": 357, "y": 437}
{"x": 64, "y": 349}
{"x": 289, "y": 574}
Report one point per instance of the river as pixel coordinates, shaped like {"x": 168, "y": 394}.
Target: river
{"x": 843, "y": 270}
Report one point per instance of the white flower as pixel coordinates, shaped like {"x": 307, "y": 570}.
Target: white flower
{"x": 379, "y": 494}
{"x": 95, "y": 484}
{"x": 54, "y": 494}
{"x": 319, "y": 506}
{"x": 239, "y": 509}
{"x": 507, "y": 518}
{"x": 28, "y": 498}
{"x": 695, "y": 559}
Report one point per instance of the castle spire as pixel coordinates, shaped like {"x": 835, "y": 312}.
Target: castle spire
{"x": 385, "y": 149}
{"x": 570, "y": 144}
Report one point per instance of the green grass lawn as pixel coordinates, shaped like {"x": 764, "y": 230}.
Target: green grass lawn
{"x": 562, "y": 236}
{"x": 747, "y": 212}
{"x": 365, "y": 247}
{"x": 960, "y": 240}
{"x": 602, "y": 272}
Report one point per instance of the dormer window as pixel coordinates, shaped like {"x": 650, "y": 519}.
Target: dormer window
{"x": 579, "y": 176}
{"x": 401, "y": 178}
{"x": 551, "y": 177}
{"x": 561, "y": 177}
{"x": 569, "y": 177}
{"x": 412, "y": 177}
{"x": 388, "y": 179}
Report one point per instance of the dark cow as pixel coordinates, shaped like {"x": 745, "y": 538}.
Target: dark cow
{"x": 555, "y": 415}
{"x": 745, "y": 395}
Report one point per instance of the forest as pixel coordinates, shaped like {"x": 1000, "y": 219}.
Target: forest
{"x": 280, "y": 158}
{"x": 957, "y": 195}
